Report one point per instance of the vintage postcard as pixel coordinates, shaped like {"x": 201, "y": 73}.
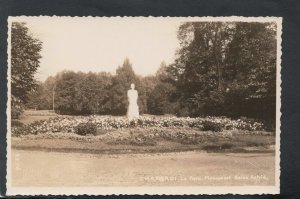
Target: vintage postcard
{"x": 143, "y": 105}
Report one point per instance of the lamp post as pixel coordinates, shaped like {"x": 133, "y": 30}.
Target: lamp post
{"x": 53, "y": 94}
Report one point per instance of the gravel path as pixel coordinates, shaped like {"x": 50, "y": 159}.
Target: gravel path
{"x": 41, "y": 168}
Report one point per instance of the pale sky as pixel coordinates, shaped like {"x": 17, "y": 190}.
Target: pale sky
{"x": 101, "y": 44}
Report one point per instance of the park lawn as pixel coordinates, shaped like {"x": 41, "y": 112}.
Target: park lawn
{"x": 130, "y": 141}
{"x": 29, "y": 119}
{"x": 30, "y": 116}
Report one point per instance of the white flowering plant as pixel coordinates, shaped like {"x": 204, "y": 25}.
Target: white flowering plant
{"x": 70, "y": 123}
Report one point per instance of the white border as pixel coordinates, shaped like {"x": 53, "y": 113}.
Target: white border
{"x": 175, "y": 190}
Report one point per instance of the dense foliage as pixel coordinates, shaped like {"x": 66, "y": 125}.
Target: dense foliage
{"x": 85, "y": 128}
{"x": 227, "y": 69}
{"x": 25, "y": 56}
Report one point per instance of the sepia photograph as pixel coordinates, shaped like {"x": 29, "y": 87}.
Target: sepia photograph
{"x": 143, "y": 105}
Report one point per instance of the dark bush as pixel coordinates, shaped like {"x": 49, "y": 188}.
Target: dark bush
{"x": 270, "y": 125}
{"x": 211, "y": 126}
{"x": 86, "y": 128}
{"x": 226, "y": 146}
{"x": 133, "y": 123}
{"x": 16, "y": 113}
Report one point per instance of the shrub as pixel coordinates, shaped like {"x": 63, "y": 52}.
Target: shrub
{"x": 227, "y": 146}
{"x": 86, "y": 128}
{"x": 17, "y": 107}
{"x": 15, "y": 113}
{"x": 133, "y": 123}
{"x": 270, "y": 125}
{"x": 211, "y": 126}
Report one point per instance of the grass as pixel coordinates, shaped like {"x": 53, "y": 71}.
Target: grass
{"x": 30, "y": 116}
{"x": 148, "y": 140}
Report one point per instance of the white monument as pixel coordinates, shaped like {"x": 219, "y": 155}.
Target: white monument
{"x": 133, "y": 109}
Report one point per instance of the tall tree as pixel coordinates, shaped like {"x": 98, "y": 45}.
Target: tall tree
{"x": 65, "y": 92}
{"x": 49, "y": 91}
{"x": 160, "y": 99}
{"x": 92, "y": 93}
{"x": 25, "y": 60}
{"x": 147, "y": 84}
{"x": 37, "y": 98}
{"x": 199, "y": 64}
{"x": 120, "y": 84}
{"x": 251, "y": 69}
{"x": 226, "y": 68}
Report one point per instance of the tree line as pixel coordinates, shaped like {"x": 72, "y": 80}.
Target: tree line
{"x": 100, "y": 93}
{"x": 227, "y": 69}
{"x": 221, "y": 69}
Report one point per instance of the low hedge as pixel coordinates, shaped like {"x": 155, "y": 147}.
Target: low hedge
{"x": 211, "y": 126}
{"x": 86, "y": 128}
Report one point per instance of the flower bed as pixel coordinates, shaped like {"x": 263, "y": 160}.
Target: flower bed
{"x": 69, "y": 123}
